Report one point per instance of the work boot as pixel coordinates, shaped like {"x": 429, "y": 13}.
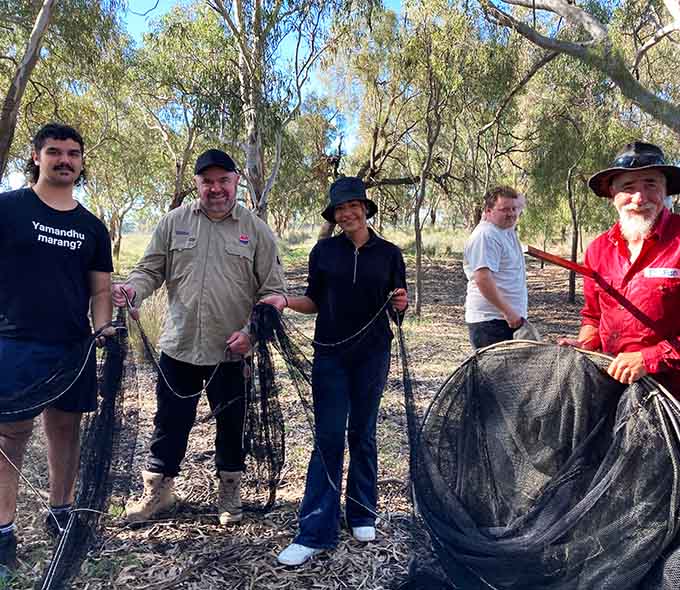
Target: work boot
{"x": 157, "y": 498}
{"x": 229, "y": 497}
{"x": 8, "y": 556}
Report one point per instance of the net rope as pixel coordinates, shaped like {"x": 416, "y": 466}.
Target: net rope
{"x": 530, "y": 469}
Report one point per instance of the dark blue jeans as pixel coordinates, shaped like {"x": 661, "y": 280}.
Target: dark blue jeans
{"x": 487, "y": 333}
{"x": 347, "y": 395}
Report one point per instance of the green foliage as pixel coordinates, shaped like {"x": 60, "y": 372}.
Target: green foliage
{"x": 307, "y": 166}
{"x": 146, "y": 110}
{"x": 80, "y": 50}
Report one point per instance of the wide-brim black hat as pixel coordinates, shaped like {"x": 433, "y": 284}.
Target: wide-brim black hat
{"x": 636, "y": 156}
{"x": 348, "y": 188}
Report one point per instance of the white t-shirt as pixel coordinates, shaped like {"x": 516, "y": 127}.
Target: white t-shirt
{"x": 500, "y": 251}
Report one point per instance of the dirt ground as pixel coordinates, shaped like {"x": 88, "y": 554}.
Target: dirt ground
{"x": 191, "y": 551}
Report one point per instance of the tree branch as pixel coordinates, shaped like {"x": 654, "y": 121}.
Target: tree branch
{"x": 654, "y": 40}
{"x": 547, "y": 58}
{"x": 602, "y": 57}
{"x": 570, "y": 12}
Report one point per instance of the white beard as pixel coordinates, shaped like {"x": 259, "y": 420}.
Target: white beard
{"x": 636, "y": 226}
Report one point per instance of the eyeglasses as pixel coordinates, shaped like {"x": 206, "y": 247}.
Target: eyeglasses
{"x": 638, "y": 161}
{"x": 507, "y": 209}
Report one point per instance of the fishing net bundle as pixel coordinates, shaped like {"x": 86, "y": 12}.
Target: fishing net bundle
{"x": 103, "y": 465}
{"x": 533, "y": 469}
{"x": 105, "y": 461}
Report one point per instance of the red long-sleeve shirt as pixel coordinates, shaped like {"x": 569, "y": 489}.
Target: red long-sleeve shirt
{"x": 652, "y": 284}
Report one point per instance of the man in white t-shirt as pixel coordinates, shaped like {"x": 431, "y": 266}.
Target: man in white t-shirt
{"x": 496, "y": 300}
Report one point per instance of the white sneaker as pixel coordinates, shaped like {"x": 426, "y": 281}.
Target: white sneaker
{"x": 364, "y": 533}
{"x": 296, "y": 554}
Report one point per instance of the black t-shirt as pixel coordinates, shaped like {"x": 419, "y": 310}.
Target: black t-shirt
{"x": 45, "y": 260}
{"x": 349, "y": 286}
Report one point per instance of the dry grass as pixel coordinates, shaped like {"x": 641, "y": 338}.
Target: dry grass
{"x": 152, "y": 317}
{"x": 189, "y": 551}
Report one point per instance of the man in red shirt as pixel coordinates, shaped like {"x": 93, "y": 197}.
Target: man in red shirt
{"x": 632, "y": 310}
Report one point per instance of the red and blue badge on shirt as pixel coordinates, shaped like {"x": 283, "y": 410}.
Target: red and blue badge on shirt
{"x": 243, "y": 238}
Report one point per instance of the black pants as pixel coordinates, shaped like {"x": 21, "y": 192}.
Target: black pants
{"x": 175, "y": 416}
{"x": 490, "y": 332}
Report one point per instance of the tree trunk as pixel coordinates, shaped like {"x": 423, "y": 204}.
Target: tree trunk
{"x": 116, "y": 247}
{"x": 10, "y": 107}
{"x": 115, "y": 226}
{"x": 574, "y": 240}
{"x": 419, "y": 259}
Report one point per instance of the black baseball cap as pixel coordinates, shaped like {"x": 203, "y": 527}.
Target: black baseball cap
{"x": 217, "y": 158}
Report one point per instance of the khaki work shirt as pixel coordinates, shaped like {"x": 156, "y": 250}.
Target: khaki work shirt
{"x": 214, "y": 273}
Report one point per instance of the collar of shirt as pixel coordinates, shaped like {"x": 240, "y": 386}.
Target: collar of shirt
{"x": 372, "y": 239}
{"x": 235, "y": 212}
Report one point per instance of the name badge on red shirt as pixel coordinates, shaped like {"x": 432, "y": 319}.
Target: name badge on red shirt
{"x": 662, "y": 273}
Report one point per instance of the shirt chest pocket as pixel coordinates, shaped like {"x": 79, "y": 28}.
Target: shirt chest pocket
{"x": 666, "y": 292}
{"x": 655, "y": 297}
{"x": 182, "y": 257}
{"x": 238, "y": 262}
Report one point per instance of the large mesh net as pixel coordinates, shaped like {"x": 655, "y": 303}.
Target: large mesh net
{"x": 103, "y": 463}
{"x": 535, "y": 470}
{"x": 532, "y": 469}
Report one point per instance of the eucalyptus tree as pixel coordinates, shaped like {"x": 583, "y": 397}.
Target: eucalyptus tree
{"x": 483, "y": 71}
{"x": 279, "y": 44}
{"x": 186, "y": 78}
{"x": 630, "y": 43}
{"x": 309, "y": 162}
{"x": 125, "y": 173}
{"x": 71, "y": 35}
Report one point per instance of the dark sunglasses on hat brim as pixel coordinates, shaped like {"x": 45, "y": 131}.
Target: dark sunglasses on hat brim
{"x": 638, "y": 161}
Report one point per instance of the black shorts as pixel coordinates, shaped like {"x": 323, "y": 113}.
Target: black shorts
{"x": 26, "y": 363}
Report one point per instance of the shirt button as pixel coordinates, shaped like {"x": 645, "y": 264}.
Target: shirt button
{"x": 620, "y": 306}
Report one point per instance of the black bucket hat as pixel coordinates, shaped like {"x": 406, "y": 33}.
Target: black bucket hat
{"x": 348, "y": 188}
{"x": 636, "y": 156}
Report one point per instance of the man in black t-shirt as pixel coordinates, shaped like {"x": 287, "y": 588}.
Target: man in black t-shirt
{"x": 55, "y": 263}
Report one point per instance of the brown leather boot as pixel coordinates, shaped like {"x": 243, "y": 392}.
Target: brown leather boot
{"x": 229, "y": 497}
{"x": 157, "y": 498}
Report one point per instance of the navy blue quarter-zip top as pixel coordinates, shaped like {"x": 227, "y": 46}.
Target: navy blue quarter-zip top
{"x": 349, "y": 285}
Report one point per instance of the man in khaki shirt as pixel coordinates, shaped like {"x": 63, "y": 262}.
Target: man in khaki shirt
{"x": 217, "y": 259}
